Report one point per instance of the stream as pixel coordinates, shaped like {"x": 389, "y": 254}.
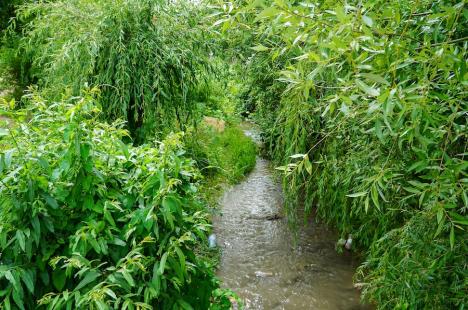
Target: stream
{"x": 260, "y": 260}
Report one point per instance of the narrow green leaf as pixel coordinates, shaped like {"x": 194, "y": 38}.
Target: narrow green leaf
{"x": 162, "y": 263}
{"x": 359, "y": 194}
{"x": 452, "y": 237}
{"x": 367, "y": 89}
{"x": 260, "y": 48}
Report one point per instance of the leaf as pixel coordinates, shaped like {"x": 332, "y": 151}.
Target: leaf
{"x": 8, "y": 158}
{"x": 84, "y": 151}
{"x": 366, "y": 204}
{"x": 374, "y": 196}
{"x": 375, "y": 78}
{"x": 185, "y": 305}
{"x": 128, "y": 277}
{"x": 308, "y": 165}
{"x": 367, "y": 20}
{"x": 440, "y": 214}
{"x": 90, "y": 277}
{"x": 162, "y": 264}
{"x": 268, "y": 12}
{"x": 51, "y": 201}
{"x": 12, "y": 279}
{"x": 297, "y": 156}
{"x": 359, "y": 194}
{"x": 181, "y": 258}
{"x": 452, "y": 237}
{"x": 28, "y": 280}
{"x": 18, "y": 298}
{"x": 367, "y": 89}
{"x": 21, "y": 239}
{"x": 58, "y": 279}
{"x": 260, "y": 48}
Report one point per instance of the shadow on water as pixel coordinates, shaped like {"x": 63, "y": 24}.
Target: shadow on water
{"x": 263, "y": 265}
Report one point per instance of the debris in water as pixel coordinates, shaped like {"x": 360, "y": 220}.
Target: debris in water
{"x": 212, "y": 241}
{"x": 349, "y": 242}
{"x": 262, "y": 274}
{"x": 273, "y": 217}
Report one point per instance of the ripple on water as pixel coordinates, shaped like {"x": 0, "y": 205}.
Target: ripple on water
{"x": 261, "y": 264}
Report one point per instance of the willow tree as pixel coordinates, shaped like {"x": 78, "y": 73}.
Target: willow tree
{"x": 147, "y": 57}
{"x": 364, "y": 108}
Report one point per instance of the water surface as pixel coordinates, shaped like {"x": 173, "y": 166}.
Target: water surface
{"x": 260, "y": 261}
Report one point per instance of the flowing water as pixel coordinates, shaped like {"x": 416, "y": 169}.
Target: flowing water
{"x": 263, "y": 265}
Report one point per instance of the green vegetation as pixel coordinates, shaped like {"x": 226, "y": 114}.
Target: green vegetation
{"x": 223, "y": 157}
{"x": 103, "y": 193}
{"x": 147, "y": 57}
{"x": 364, "y": 108}
{"x": 82, "y": 212}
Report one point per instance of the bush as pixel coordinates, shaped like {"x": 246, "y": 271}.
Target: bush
{"x": 87, "y": 221}
{"x": 148, "y": 57}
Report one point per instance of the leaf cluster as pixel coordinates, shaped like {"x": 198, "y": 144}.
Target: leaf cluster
{"x": 89, "y": 222}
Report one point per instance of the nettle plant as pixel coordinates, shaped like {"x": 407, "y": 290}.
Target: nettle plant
{"x": 367, "y": 116}
{"x": 88, "y": 222}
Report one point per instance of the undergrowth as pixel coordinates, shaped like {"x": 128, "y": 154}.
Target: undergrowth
{"x": 88, "y": 221}
{"x": 223, "y": 157}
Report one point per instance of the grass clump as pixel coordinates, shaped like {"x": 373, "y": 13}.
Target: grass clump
{"x": 223, "y": 157}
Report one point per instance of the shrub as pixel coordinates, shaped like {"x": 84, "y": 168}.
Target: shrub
{"x": 87, "y": 221}
{"x": 148, "y": 57}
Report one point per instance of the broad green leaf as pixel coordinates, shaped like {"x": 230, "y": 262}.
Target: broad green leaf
{"x": 59, "y": 279}
{"x": 28, "y": 280}
{"x": 21, "y": 239}
{"x": 90, "y": 277}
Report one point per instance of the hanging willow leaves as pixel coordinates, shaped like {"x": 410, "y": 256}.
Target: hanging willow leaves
{"x": 374, "y": 92}
{"x": 147, "y": 57}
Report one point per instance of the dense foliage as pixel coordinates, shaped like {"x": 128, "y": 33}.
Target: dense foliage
{"x": 7, "y": 11}
{"x": 228, "y": 153}
{"x": 148, "y": 57}
{"x": 364, "y": 107}
{"x": 90, "y": 222}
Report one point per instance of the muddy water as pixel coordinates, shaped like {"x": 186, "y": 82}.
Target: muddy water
{"x": 261, "y": 263}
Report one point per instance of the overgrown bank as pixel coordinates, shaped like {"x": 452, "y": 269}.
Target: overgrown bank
{"x": 102, "y": 206}
{"x": 363, "y": 106}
